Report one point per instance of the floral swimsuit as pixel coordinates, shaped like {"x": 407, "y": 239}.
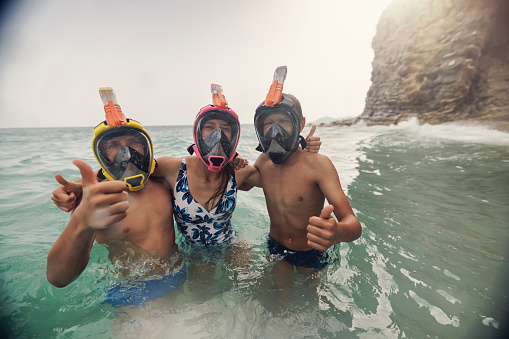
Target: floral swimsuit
{"x": 196, "y": 223}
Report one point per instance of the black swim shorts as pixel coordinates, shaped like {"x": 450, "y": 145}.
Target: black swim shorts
{"x": 311, "y": 259}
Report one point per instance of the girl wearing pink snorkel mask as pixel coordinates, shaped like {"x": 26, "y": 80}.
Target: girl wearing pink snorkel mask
{"x": 216, "y": 134}
{"x": 204, "y": 186}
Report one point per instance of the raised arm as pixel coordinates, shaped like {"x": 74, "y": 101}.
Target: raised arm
{"x": 324, "y": 231}
{"x": 102, "y": 205}
{"x": 168, "y": 168}
{"x": 248, "y": 177}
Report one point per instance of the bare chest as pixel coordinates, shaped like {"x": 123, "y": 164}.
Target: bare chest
{"x": 149, "y": 213}
{"x": 291, "y": 188}
{"x": 203, "y": 192}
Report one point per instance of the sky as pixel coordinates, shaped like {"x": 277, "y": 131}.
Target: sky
{"x": 161, "y": 57}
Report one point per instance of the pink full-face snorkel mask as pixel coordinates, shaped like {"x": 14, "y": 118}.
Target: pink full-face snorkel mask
{"x": 216, "y": 132}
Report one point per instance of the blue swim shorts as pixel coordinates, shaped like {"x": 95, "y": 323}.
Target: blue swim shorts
{"x": 310, "y": 259}
{"x": 142, "y": 291}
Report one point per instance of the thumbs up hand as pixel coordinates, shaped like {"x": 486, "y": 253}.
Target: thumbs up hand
{"x": 323, "y": 231}
{"x": 103, "y": 203}
{"x": 312, "y": 141}
{"x": 66, "y": 194}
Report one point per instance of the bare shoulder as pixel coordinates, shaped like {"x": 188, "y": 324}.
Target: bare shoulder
{"x": 168, "y": 164}
{"x": 317, "y": 160}
{"x": 190, "y": 159}
{"x": 261, "y": 160}
{"x": 320, "y": 167}
{"x": 154, "y": 199}
{"x": 167, "y": 167}
{"x": 159, "y": 182}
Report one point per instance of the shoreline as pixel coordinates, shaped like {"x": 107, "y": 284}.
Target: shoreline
{"x": 501, "y": 126}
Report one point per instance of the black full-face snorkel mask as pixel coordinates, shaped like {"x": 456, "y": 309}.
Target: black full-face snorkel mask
{"x": 278, "y": 129}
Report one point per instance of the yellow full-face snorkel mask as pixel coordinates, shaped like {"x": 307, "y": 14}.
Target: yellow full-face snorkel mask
{"x": 121, "y": 146}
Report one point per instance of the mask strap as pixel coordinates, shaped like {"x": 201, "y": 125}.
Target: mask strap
{"x": 190, "y": 149}
{"x": 302, "y": 142}
{"x": 100, "y": 175}
{"x": 259, "y": 148}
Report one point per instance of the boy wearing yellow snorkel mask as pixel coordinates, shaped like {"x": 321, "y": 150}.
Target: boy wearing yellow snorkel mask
{"x": 129, "y": 211}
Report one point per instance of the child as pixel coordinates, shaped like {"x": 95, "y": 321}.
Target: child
{"x": 135, "y": 221}
{"x": 296, "y": 184}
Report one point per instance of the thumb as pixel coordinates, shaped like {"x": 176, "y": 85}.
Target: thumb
{"x": 313, "y": 129}
{"x": 68, "y": 185}
{"x": 61, "y": 180}
{"x": 87, "y": 173}
{"x": 326, "y": 212}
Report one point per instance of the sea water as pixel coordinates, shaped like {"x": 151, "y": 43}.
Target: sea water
{"x": 431, "y": 262}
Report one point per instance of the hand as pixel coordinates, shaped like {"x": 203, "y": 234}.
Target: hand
{"x": 323, "y": 231}
{"x": 313, "y": 142}
{"x": 103, "y": 203}
{"x": 66, "y": 194}
{"x": 239, "y": 162}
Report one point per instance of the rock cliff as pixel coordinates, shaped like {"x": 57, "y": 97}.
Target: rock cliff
{"x": 440, "y": 61}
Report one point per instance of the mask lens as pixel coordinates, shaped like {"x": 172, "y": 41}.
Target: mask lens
{"x": 276, "y": 132}
{"x": 216, "y": 136}
{"x": 277, "y": 129}
{"x": 277, "y": 126}
{"x": 124, "y": 152}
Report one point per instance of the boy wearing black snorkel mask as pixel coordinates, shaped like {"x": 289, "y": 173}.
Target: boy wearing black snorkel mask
{"x": 296, "y": 184}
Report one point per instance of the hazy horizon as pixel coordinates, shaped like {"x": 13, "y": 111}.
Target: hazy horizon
{"x": 161, "y": 57}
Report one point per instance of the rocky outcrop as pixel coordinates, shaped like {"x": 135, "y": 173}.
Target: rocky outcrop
{"x": 440, "y": 61}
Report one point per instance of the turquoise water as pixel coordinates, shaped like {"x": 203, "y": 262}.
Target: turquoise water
{"x": 431, "y": 263}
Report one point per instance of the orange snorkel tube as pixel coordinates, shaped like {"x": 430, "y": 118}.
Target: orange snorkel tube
{"x": 116, "y": 125}
{"x": 114, "y": 115}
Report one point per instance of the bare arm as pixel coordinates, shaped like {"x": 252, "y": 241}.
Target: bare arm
{"x": 248, "y": 177}
{"x": 324, "y": 231}
{"x": 69, "y": 255}
{"x": 103, "y": 204}
{"x": 167, "y": 167}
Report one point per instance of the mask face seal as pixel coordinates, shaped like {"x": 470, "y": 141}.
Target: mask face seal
{"x": 124, "y": 153}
